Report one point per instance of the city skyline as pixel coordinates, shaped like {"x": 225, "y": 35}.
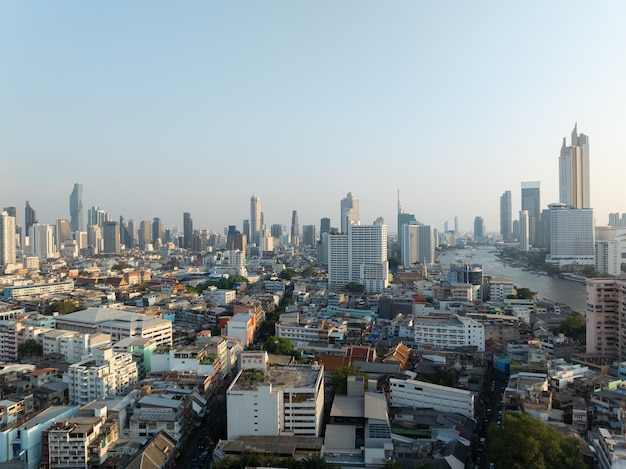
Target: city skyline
{"x": 436, "y": 101}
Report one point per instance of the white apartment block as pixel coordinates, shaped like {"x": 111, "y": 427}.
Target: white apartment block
{"x": 190, "y": 358}
{"x": 68, "y": 442}
{"x": 242, "y": 327}
{"x": 119, "y": 324}
{"x": 41, "y": 289}
{"x": 500, "y": 289}
{"x": 571, "y": 236}
{"x": 359, "y": 256}
{"x": 72, "y": 345}
{"x": 448, "y": 332}
{"x": 10, "y": 335}
{"x": 279, "y": 400}
{"x": 219, "y": 297}
{"x": 418, "y": 244}
{"x": 422, "y": 395}
{"x": 105, "y": 374}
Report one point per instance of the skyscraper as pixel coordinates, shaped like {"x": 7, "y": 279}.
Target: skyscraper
{"x": 145, "y": 233}
{"x": 524, "y": 231}
{"x": 111, "y": 236}
{"x": 12, "y": 211}
{"x": 97, "y": 216}
{"x": 531, "y": 201}
{"x": 157, "y": 230}
{"x": 479, "y": 229}
{"x": 187, "y": 230}
{"x": 7, "y": 239}
{"x": 30, "y": 218}
{"x": 574, "y": 188}
{"x": 308, "y": 235}
{"x": 418, "y": 244}
{"x": 404, "y": 218}
{"x": 506, "y": 216}
{"x": 64, "y": 232}
{"x": 255, "y": 219}
{"x": 360, "y": 256}
{"x": 324, "y": 225}
{"x": 349, "y": 212}
{"x": 295, "y": 226}
{"x": 42, "y": 241}
{"x": 572, "y": 236}
{"x": 76, "y": 208}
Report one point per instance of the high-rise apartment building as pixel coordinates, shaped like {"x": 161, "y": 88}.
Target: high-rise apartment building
{"x": 404, "y": 218}
{"x": 524, "y": 231}
{"x": 255, "y": 219}
{"x": 349, "y": 212}
{"x": 606, "y": 318}
{"x": 574, "y": 190}
{"x": 608, "y": 243}
{"x": 187, "y": 231}
{"x": 64, "y": 232}
{"x": 76, "y": 208}
{"x": 145, "y": 233}
{"x": 97, "y": 216}
{"x": 359, "y": 256}
{"x": 531, "y": 202}
{"x": 506, "y": 217}
{"x": 12, "y": 211}
{"x": 41, "y": 239}
{"x": 418, "y": 244}
{"x": 324, "y": 225}
{"x": 571, "y": 236}
{"x": 111, "y": 236}
{"x": 7, "y": 239}
{"x": 30, "y": 218}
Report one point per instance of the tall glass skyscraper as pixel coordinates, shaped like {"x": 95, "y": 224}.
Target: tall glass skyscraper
{"x": 574, "y": 172}
{"x": 76, "y": 208}
{"x": 531, "y": 201}
{"x": 506, "y": 217}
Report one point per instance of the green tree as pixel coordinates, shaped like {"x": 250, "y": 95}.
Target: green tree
{"x": 308, "y": 272}
{"x": 355, "y": 287}
{"x": 287, "y": 274}
{"x": 121, "y": 265}
{"x": 61, "y": 307}
{"x": 575, "y": 325}
{"x": 525, "y": 294}
{"x": 281, "y": 346}
{"x": 339, "y": 379}
{"x": 29, "y": 348}
{"x": 524, "y": 441}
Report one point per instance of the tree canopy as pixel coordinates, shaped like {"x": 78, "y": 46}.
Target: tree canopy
{"x": 339, "y": 379}
{"x": 524, "y": 441}
{"x": 287, "y": 274}
{"x": 61, "y": 307}
{"x": 525, "y": 294}
{"x": 575, "y": 325}
{"x": 281, "y": 346}
{"x": 29, "y": 348}
{"x": 355, "y": 287}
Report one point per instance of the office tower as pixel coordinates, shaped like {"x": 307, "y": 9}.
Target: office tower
{"x": 531, "y": 201}
{"x": 30, "y": 218}
{"x": 145, "y": 233}
{"x": 445, "y": 226}
{"x": 418, "y": 244}
{"x": 157, "y": 230}
{"x": 295, "y": 226}
{"x": 111, "y": 235}
{"x": 187, "y": 230}
{"x": 404, "y": 218}
{"x": 7, "y": 239}
{"x": 545, "y": 228}
{"x": 574, "y": 188}
{"x": 246, "y": 228}
{"x": 524, "y": 231}
{"x": 308, "y": 235}
{"x": 94, "y": 239}
{"x": 276, "y": 230}
{"x": 41, "y": 238}
{"x": 456, "y": 225}
{"x": 571, "y": 236}
{"x": 76, "y": 208}
{"x": 349, "y": 212}
{"x": 359, "y": 256}
{"x": 64, "y": 232}
{"x": 97, "y": 216}
{"x": 255, "y": 219}
{"x": 506, "y": 217}
{"x": 479, "y": 229}
{"x": 132, "y": 228}
{"x": 125, "y": 237}
{"x": 324, "y": 225}
{"x": 12, "y": 212}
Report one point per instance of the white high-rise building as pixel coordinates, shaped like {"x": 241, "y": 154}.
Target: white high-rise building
{"x": 571, "y": 236}
{"x": 41, "y": 239}
{"x": 359, "y": 256}
{"x": 418, "y": 244}
{"x": 7, "y": 239}
{"x": 610, "y": 246}
{"x": 574, "y": 172}
{"x": 349, "y": 212}
{"x": 524, "y": 231}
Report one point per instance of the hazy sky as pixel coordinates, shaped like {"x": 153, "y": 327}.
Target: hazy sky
{"x": 158, "y": 108}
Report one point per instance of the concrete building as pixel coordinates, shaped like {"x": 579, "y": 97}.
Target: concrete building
{"x": 418, "y": 244}
{"x": 571, "y": 236}
{"x": 76, "y": 208}
{"x": 104, "y": 374}
{"x": 41, "y": 241}
{"x": 349, "y": 212}
{"x": 445, "y": 332}
{"x": 16, "y": 293}
{"x": 506, "y": 217}
{"x": 275, "y": 400}
{"x": 66, "y": 444}
{"x": 531, "y": 202}
{"x": 359, "y": 256}
{"x": 7, "y": 239}
{"x": 524, "y": 231}
{"x": 406, "y": 392}
{"x": 111, "y": 236}
{"x": 606, "y": 317}
{"x": 574, "y": 187}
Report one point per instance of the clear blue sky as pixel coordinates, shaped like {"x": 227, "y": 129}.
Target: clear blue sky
{"x": 158, "y": 108}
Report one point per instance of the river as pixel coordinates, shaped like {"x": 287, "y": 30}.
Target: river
{"x": 567, "y": 292}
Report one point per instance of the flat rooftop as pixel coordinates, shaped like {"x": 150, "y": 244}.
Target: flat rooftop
{"x": 288, "y": 376}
